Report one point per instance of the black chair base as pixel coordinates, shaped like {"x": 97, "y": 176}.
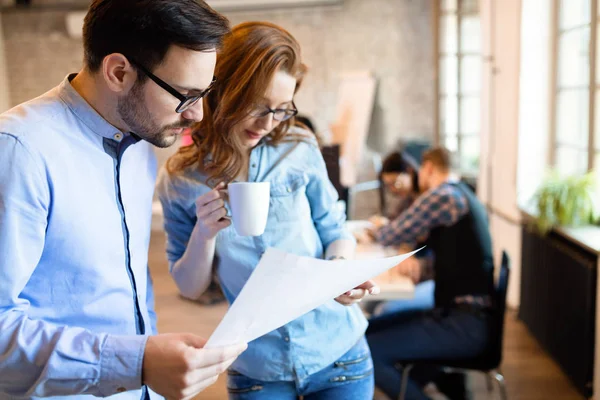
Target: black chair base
{"x": 489, "y": 361}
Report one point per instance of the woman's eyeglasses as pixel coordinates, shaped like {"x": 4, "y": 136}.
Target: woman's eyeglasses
{"x": 279, "y": 114}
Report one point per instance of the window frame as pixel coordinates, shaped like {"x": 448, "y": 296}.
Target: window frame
{"x": 592, "y": 86}
{"x": 460, "y": 95}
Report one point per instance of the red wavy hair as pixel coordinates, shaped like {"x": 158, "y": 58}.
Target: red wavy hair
{"x": 246, "y": 64}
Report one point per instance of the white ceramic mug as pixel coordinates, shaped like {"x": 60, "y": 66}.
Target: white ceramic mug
{"x": 249, "y": 203}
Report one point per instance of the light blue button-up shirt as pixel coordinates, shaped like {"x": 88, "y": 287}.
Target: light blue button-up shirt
{"x": 303, "y": 219}
{"x": 76, "y": 301}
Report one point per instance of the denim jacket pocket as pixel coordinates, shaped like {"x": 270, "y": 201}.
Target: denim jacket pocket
{"x": 288, "y": 198}
{"x": 356, "y": 364}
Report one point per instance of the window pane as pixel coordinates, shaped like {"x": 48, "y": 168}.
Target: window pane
{"x": 448, "y": 75}
{"x": 574, "y": 13}
{"x": 572, "y": 117}
{"x": 470, "y": 75}
{"x": 570, "y": 161}
{"x": 469, "y": 154}
{"x": 448, "y": 5}
{"x": 448, "y": 34}
{"x": 596, "y": 168}
{"x": 598, "y": 51}
{"x": 449, "y": 116}
{"x": 574, "y": 58}
{"x": 450, "y": 143}
{"x": 597, "y": 127}
{"x": 470, "y": 34}
{"x": 469, "y": 6}
{"x": 470, "y": 115}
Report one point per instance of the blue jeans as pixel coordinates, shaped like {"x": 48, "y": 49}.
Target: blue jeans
{"x": 349, "y": 378}
{"x": 414, "y": 335}
{"x": 423, "y": 300}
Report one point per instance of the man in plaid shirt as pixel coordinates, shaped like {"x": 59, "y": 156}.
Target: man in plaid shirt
{"x": 451, "y": 221}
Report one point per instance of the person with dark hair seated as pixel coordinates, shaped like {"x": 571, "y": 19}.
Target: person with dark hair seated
{"x": 399, "y": 177}
{"x": 452, "y": 222}
{"x": 306, "y": 121}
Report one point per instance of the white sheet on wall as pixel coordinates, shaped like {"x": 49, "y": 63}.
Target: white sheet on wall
{"x": 353, "y": 119}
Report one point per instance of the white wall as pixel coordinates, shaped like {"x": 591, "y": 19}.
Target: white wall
{"x": 500, "y": 122}
{"x": 4, "y": 89}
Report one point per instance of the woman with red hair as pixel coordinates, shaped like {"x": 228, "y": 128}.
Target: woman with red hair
{"x": 248, "y": 134}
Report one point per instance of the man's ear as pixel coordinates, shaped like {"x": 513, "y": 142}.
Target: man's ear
{"x": 118, "y": 73}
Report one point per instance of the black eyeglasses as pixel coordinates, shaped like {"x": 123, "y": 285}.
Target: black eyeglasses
{"x": 279, "y": 114}
{"x": 185, "y": 101}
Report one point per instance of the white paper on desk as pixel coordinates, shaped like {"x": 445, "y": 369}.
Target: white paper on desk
{"x": 285, "y": 286}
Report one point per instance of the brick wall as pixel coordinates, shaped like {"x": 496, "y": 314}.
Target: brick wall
{"x": 392, "y": 38}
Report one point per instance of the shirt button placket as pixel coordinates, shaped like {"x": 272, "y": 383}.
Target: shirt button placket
{"x": 252, "y": 174}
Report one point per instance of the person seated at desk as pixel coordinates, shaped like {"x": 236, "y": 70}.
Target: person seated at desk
{"x": 399, "y": 177}
{"x": 452, "y": 222}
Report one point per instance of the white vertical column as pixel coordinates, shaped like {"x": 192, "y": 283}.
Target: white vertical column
{"x": 487, "y": 111}
{"x": 505, "y": 118}
{"x": 500, "y": 122}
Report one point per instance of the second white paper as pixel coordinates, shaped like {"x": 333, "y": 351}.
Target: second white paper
{"x": 285, "y": 286}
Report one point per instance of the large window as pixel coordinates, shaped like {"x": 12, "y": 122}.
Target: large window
{"x": 459, "y": 72}
{"x": 575, "y": 133}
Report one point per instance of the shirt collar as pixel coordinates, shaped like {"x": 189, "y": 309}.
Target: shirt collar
{"x": 84, "y": 111}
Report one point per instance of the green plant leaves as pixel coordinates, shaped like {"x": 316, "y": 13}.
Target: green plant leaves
{"x": 566, "y": 201}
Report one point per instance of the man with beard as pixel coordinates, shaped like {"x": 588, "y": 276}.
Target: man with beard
{"x": 76, "y": 182}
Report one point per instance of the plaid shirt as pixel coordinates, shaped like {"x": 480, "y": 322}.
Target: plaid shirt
{"x": 444, "y": 205}
{"x": 440, "y": 206}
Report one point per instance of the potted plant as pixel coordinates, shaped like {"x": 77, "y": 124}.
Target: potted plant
{"x": 565, "y": 201}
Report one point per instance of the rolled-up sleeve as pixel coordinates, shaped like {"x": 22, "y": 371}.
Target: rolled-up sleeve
{"x": 440, "y": 206}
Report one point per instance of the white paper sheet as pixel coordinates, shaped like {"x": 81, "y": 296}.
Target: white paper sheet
{"x": 285, "y": 286}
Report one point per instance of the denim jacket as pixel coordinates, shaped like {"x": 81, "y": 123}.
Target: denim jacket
{"x": 303, "y": 219}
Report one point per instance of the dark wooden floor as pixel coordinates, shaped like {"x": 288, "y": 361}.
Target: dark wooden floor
{"x": 529, "y": 373}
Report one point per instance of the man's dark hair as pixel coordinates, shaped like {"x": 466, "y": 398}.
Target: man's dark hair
{"x": 145, "y": 29}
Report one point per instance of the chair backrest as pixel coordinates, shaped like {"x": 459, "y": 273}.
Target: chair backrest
{"x": 491, "y": 357}
{"x": 500, "y": 311}
{"x": 331, "y": 155}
